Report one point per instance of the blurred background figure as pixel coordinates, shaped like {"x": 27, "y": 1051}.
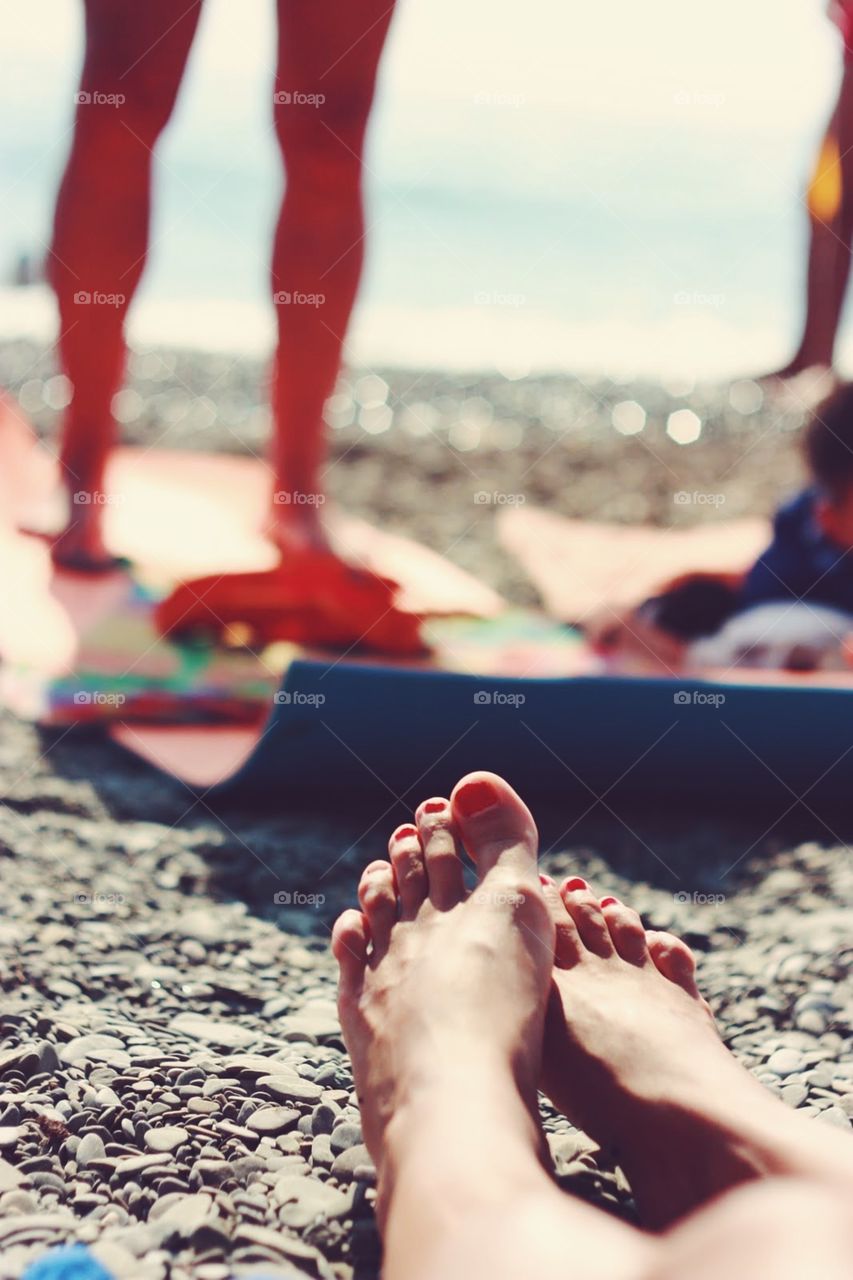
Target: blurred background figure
{"x": 830, "y": 209}
{"x": 134, "y": 63}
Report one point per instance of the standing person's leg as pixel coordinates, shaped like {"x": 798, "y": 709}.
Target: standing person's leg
{"x": 325, "y": 80}
{"x": 830, "y": 208}
{"x": 134, "y": 61}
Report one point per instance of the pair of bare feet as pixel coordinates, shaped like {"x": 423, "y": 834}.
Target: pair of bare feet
{"x": 458, "y": 1006}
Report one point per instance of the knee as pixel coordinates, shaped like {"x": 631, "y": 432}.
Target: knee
{"x": 123, "y": 122}
{"x": 322, "y": 142}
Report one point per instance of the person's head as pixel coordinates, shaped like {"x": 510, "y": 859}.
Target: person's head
{"x": 829, "y": 452}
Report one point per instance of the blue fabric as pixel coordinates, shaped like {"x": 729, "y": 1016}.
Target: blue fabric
{"x": 71, "y": 1262}
{"x": 801, "y": 562}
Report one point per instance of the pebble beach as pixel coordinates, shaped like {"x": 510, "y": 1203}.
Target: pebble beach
{"x": 174, "y": 1090}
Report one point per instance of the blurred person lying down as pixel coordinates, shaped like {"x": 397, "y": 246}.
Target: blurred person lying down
{"x": 793, "y": 609}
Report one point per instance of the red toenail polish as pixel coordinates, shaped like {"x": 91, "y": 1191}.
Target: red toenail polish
{"x": 403, "y": 833}
{"x": 607, "y": 902}
{"x": 476, "y": 798}
{"x": 575, "y": 883}
{"x": 435, "y": 806}
{"x": 543, "y": 879}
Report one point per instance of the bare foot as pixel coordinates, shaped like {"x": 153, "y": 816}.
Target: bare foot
{"x": 80, "y": 546}
{"x": 441, "y": 987}
{"x": 442, "y": 1002}
{"x": 633, "y": 1057}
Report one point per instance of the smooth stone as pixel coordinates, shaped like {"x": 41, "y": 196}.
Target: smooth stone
{"x": 166, "y": 1139}
{"x": 202, "y": 1106}
{"x": 349, "y": 1161}
{"x": 95, "y": 1048}
{"x": 230, "y": 1035}
{"x": 321, "y": 1150}
{"x": 323, "y": 1118}
{"x": 212, "y": 1171}
{"x": 794, "y": 1094}
{"x": 291, "y": 1088}
{"x": 303, "y": 1200}
{"x": 272, "y": 1120}
{"x": 835, "y": 1116}
{"x": 344, "y": 1136}
{"x": 12, "y": 1202}
{"x": 127, "y": 1166}
{"x": 10, "y": 1177}
{"x": 784, "y": 1062}
{"x": 48, "y": 1058}
{"x": 9, "y": 1135}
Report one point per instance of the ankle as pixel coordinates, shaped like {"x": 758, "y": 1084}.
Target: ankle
{"x": 454, "y": 1122}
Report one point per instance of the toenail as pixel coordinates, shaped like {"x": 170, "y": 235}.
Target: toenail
{"x": 435, "y": 806}
{"x": 575, "y": 883}
{"x": 608, "y": 902}
{"x": 476, "y": 798}
{"x": 405, "y": 833}
{"x": 543, "y": 879}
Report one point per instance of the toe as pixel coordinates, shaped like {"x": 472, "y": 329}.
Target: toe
{"x": 349, "y": 947}
{"x": 674, "y": 959}
{"x": 568, "y": 947}
{"x": 494, "y": 824}
{"x": 585, "y": 910}
{"x": 407, "y": 859}
{"x": 626, "y": 931}
{"x": 441, "y": 849}
{"x": 378, "y": 898}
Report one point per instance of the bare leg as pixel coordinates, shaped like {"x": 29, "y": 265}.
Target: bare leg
{"x": 443, "y": 1020}
{"x": 633, "y": 1057}
{"x": 327, "y": 63}
{"x": 830, "y": 228}
{"x": 135, "y": 58}
{"x": 442, "y": 1000}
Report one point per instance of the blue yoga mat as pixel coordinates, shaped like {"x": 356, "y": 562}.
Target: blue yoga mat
{"x": 345, "y": 729}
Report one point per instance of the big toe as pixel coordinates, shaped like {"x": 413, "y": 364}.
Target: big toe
{"x": 494, "y": 824}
